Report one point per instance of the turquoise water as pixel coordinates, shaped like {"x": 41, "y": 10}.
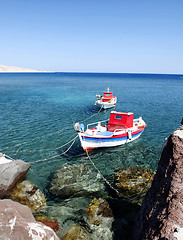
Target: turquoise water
{"x": 38, "y": 112}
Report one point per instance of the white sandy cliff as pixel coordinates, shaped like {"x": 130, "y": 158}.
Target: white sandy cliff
{"x": 5, "y": 69}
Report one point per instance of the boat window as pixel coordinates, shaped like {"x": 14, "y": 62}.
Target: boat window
{"x": 118, "y": 117}
{"x": 108, "y": 94}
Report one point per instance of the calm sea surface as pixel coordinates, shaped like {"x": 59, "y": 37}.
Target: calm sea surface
{"x": 38, "y": 112}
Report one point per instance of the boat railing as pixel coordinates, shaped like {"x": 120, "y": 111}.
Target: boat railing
{"x": 137, "y": 119}
{"x": 117, "y": 131}
{"x": 96, "y": 123}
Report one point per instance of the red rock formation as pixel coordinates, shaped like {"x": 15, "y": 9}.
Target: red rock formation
{"x": 53, "y": 225}
{"x": 161, "y": 213}
{"x": 49, "y": 221}
{"x": 17, "y": 222}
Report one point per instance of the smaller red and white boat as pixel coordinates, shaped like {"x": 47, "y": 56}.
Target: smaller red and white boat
{"x": 107, "y": 101}
{"x": 119, "y": 129}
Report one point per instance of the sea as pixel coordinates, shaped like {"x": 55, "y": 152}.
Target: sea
{"x": 39, "y": 110}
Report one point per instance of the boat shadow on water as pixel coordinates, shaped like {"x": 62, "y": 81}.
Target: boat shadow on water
{"x": 90, "y": 109}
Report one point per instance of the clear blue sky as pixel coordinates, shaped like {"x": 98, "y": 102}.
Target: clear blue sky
{"x": 139, "y": 36}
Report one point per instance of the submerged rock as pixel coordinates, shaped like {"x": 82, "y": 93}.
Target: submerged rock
{"x": 75, "y": 181}
{"x": 72, "y": 208}
{"x": 98, "y": 208}
{"x": 29, "y": 194}
{"x": 133, "y": 181}
{"x": 99, "y": 217}
{"x": 76, "y": 232}
{"x": 11, "y": 172}
{"x": 69, "y": 214}
{"x": 17, "y": 222}
{"x": 161, "y": 213}
{"x": 83, "y": 221}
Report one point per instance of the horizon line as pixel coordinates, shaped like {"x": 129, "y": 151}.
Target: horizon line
{"x": 39, "y": 71}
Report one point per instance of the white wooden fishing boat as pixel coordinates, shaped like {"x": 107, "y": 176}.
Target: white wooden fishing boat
{"x": 119, "y": 129}
{"x": 107, "y": 100}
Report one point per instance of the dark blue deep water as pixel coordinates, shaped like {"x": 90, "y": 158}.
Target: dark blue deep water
{"x": 38, "y": 110}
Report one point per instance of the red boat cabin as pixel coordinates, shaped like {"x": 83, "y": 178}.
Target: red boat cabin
{"x": 120, "y": 120}
{"x": 107, "y": 96}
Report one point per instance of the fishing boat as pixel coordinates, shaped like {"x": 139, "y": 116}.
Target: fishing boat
{"x": 107, "y": 100}
{"x": 119, "y": 129}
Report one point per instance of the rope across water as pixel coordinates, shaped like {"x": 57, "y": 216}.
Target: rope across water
{"x": 46, "y": 159}
{"x": 43, "y": 160}
{"x": 72, "y": 141}
{"x": 45, "y": 135}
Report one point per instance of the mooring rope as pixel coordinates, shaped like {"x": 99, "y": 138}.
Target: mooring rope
{"x": 44, "y": 136}
{"x": 48, "y": 149}
{"x": 45, "y": 149}
{"x": 9, "y": 157}
{"x": 46, "y": 159}
{"x": 122, "y": 195}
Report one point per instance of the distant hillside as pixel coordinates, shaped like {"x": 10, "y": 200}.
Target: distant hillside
{"x": 4, "y": 68}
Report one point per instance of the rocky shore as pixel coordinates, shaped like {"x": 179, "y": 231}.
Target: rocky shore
{"x": 161, "y": 213}
{"x": 78, "y": 204}
{"x": 20, "y": 199}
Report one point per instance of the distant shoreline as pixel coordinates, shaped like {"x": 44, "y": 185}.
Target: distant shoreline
{"x": 13, "y": 69}
{"x": 28, "y": 72}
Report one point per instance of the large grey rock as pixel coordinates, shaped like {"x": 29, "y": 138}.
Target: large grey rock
{"x": 161, "y": 213}
{"x": 17, "y": 222}
{"x": 11, "y": 172}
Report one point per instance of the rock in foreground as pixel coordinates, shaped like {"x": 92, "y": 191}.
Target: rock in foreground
{"x": 161, "y": 214}
{"x": 17, "y": 222}
{"x": 11, "y": 172}
{"x": 28, "y": 194}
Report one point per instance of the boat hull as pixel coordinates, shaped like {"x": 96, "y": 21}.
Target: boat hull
{"x": 105, "y": 105}
{"x": 89, "y": 142}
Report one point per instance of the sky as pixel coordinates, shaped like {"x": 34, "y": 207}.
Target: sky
{"x": 116, "y": 36}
